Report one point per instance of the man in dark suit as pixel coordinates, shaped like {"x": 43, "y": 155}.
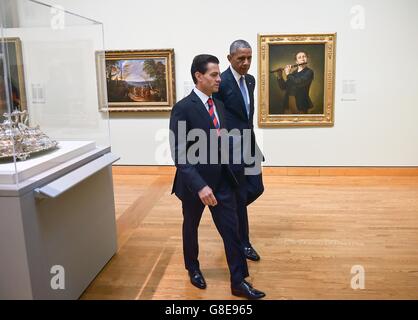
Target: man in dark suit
{"x": 202, "y": 178}
{"x": 297, "y": 85}
{"x": 237, "y": 94}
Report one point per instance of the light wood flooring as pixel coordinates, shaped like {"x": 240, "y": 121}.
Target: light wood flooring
{"x": 311, "y": 226}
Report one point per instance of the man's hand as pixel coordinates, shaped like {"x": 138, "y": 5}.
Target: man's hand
{"x": 207, "y": 197}
{"x": 287, "y": 69}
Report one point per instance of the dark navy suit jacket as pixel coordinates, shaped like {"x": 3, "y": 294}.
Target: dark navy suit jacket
{"x": 191, "y": 178}
{"x": 235, "y": 110}
{"x": 298, "y": 85}
{"x": 230, "y": 94}
{"x": 237, "y": 118}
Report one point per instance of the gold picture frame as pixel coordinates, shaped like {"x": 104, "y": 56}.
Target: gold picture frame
{"x": 12, "y": 56}
{"x": 136, "y": 80}
{"x": 300, "y": 98}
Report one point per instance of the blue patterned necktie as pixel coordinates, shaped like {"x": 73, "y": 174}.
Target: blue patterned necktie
{"x": 244, "y": 94}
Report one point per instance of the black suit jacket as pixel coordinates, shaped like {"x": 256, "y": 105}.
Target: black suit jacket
{"x": 230, "y": 94}
{"x": 298, "y": 85}
{"x": 237, "y": 118}
{"x": 191, "y": 178}
{"x": 235, "y": 111}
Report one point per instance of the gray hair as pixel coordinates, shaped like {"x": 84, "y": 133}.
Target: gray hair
{"x": 238, "y": 44}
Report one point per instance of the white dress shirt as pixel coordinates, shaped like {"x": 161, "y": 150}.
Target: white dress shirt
{"x": 202, "y": 96}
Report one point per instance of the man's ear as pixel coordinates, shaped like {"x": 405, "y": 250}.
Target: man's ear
{"x": 229, "y": 57}
{"x": 198, "y": 76}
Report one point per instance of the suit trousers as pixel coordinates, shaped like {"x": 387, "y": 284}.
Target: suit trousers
{"x": 224, "y": 215}
{"x": 241, "y": 196}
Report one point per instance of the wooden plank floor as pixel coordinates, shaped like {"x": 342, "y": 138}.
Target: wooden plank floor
{"x": 309, "y": 231}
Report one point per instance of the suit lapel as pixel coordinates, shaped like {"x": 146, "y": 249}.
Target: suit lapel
{"x": 221, "y": 114}
{"x": 201, "y": 108}
{"x": 238, "y": 93}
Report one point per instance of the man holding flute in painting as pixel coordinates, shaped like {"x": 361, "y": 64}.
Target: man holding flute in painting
{"x": 297, "y": 85}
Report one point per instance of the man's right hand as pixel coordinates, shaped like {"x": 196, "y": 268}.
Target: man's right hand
{"x": 207, "y": 197}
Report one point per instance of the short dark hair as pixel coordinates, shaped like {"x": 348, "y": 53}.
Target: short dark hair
{"x": 306, "y": 54}
{"x": 200, "y": 64}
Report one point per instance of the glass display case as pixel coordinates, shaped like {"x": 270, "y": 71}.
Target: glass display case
{"x": 49, "y": 103}
{"x": 57, "y": 214}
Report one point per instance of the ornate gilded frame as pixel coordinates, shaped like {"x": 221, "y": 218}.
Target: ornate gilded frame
{"x": 146, "y": 106}
{"x": 19, "y": 76}
{"x": 265, "y": 118}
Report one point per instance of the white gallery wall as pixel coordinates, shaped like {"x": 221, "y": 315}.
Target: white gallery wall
{"x": 375, "y": 125}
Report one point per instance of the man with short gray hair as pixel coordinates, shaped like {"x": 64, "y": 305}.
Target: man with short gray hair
{"x": 237, "y": 93}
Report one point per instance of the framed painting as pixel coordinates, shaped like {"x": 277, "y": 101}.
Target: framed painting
{"x": 296, "y": 80}
{"x": 14, "y": 90}
{"x": 137, "y": 80}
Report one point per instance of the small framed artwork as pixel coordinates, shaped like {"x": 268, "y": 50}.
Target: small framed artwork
{"x": 296, "y": 80}
{"x": 136, "y": 80}
{"x": 16, "y": 95}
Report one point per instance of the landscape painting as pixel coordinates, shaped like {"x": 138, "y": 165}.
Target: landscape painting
{"x": 140, "y": 80}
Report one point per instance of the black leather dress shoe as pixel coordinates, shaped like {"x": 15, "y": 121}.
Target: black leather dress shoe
{"x": 245, "y": 290}
{"x": 251, "y": 254}
{"x": 196, "y": 278}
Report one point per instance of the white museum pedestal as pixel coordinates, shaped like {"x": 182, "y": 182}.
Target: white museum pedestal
{"x": 60, "y": 216}
{"x": 37, "y": 163}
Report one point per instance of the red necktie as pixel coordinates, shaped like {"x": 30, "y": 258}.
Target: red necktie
{"x": 213, "y": 115}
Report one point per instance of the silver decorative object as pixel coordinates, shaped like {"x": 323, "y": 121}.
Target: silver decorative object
{"x": 19, "y": 140}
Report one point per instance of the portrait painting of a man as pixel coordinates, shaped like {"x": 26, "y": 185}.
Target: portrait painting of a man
{"x": 297, "y": 74}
